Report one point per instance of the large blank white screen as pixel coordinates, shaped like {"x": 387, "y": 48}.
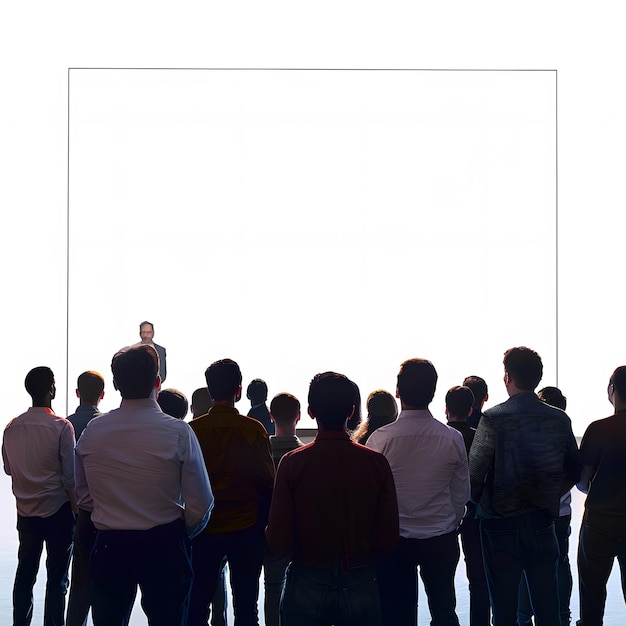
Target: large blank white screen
{"x": 299, "y": 221}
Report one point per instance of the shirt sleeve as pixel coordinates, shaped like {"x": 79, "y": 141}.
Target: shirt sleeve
{"x": 195, "y": 486}
{"x": 265, "y": 477}
{"x": 280, "y": 526}
{"x": 460, "y": 483}
{"x": 573, "y": 463}
{"x": 481, "y": 457}
{"x": 5, "y": 460}
{"x": 81, "y": 488}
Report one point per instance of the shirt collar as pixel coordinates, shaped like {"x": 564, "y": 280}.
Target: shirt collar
{"x": 332, "y": 434}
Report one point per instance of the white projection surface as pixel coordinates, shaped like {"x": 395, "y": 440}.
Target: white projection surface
{"x": 299, "y": 221}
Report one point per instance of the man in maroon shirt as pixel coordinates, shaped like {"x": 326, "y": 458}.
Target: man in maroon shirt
{"x": 334, "y": 507}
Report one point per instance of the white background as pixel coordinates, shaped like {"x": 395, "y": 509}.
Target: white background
{"x": 40, "y": 40}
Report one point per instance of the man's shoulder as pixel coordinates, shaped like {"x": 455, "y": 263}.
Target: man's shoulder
{"x": 614, "y": 425}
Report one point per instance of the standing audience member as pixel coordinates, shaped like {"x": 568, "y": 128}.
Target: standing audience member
{"x": 524, "y": 457}
{"x": 237, "y": 456}
{"x": 381, "y": 410}
{"x": 479, "y": 389}
{"x": 285, "y": 413}
{"x": 257, "y": 394}
{"x": 37, "y": 450}
{"x": 562, "y": 529}
{"x": 459, "y": 407}
{"x": 201, "y": 402}
{"x": 173, "y": 403}
{"x": 151, "y": 493}
{"x": 603, "y": 529}
{"x": 335, "y": 509}
{"x": 90, "y": 391}
{"x": 429, "y": 465}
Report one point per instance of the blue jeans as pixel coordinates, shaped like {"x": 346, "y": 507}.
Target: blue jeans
{"x": 597, "y": 551}
{"x": 56, "y": 532}
{"x": 318, "y": 597}
{"x": 525, "y": 611}
{"x": 512, "y": 546}
{"x": 244, "y": 550}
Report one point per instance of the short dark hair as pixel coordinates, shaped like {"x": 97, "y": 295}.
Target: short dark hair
{"x": 135, "y": 370}
{"x": 201, "y": 401}
{"x": 478, "y": 387}
{"x": 38, "y": 382}
{"x": 257, "y": 391}
{"x": 524, "y": 366}
{"x": 284, "y": 408}
{"x": 553, "y": 396}
{"x": 146, "y": 323}
{"x": 223, "y": 378}
{"x": 417, "y": 381}
{"x": 459, "y": 401}
{"x": 173, "y": 402}
{"x": 331, "y": 399}
{"x": 618, "y": 380}
{"x": 90, "y": 385}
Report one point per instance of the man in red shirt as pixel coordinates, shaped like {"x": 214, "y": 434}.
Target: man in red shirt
{"x": 334, "y": 507}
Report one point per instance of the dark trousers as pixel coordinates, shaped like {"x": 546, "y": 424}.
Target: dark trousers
{"x": 562, "y": 529}
{"x": 244, "y": 550}
{"x": 596, "y": 553}
{"x": 475, "y": 569}
{"x": 515, "y": 545}
{"x": 56, "y": 532}
{"x": 275, "y": 571}
{"x": 437, "y": 559}
{"x": 79, "y": 601}
{"x": 156, "y": 560}
{"x": 317, "y": 597}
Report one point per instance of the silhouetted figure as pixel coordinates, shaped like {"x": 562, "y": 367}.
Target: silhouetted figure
{"x": 237, "y": 456}
{"x": 173, "y": 403}
{"x": 285, "y": 413}
{"x": 201, "y": 402}
{"x": 335, "y": 508}
{"x": 90, "y": 390}
{"x": 481, "y": 395}
{"x": 603, "y": 532}
{"x": 524, "y": 456}
{"x": 257, "y": 394}
{"x": 38, "y": 454}
{"x": 382, "y": 409}
{"x": 355, "y": 419}
{"x": 429, "y": 465}
{"x": 145, "y": 474}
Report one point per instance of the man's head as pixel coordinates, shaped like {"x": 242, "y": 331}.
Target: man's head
{"x": 479, "y": 389}
{"x": 40, "y": 385}
{"x": 90, "y": 388}
{"x": 285, "y": 409}
{"x": 201, "y": 402}
{"x": 257, "y": 391}
{"x": 417, "y": 381}
{"x": 617, "y": 388}
{"x": 135, "y": 372}
{"x": 331, "y": 400}
{"x": 173, "y": 403}
{"x": 553, "y": 397}
{"x": 523, "y": 369}
{"x": 459, "y": 403}
{"x": 146, "y": 332}
{"x": 223, "y": 379}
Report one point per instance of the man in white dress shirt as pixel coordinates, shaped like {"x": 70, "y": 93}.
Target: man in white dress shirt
{"x": 145, "y": 474}
{"x": 429, "y": 465}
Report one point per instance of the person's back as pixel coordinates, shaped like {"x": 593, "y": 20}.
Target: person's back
{"x": 144, "y": 473}
{"x": 335, "y": 509}
{"x": 37, "y": 451}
